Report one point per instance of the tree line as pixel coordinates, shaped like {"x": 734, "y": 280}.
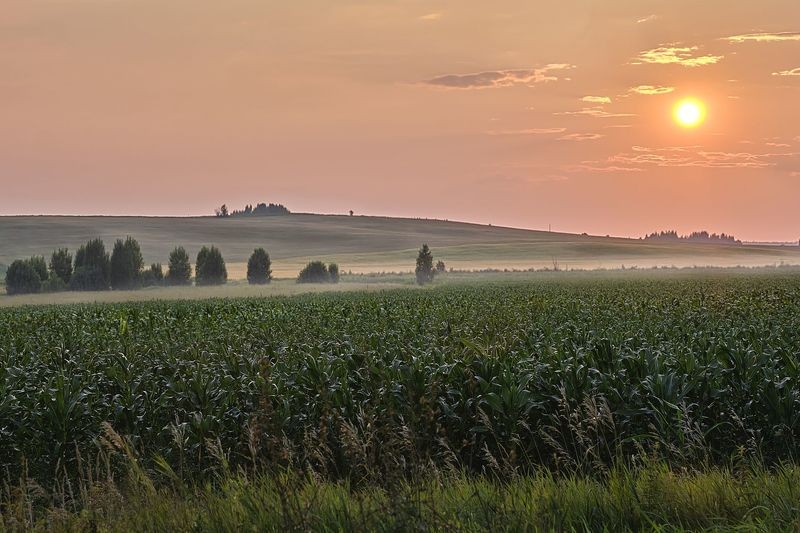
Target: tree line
{"x": 260, "y": 210}
{"x": 92, "y": 268}
{"x": 696, "y": 236}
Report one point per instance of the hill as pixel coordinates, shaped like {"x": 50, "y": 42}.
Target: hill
{"x": 369, "y": 244}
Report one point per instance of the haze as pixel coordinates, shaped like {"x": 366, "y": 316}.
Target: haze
{"x": 517, "y": 113}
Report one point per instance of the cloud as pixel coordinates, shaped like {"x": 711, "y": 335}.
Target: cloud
{"x": 649, "y": 18}
{"x": 596, "y": 99}
{"x": 595, "y": 111}
{"x": 675, "y": 55}
{"x": 764, "y": 37}
{"x": 588, "y": 167}
{"x": 431, "y": 16}
{"x": 581, "y": 137}
{"x": 530, "y": 131}
{"x": 499, "y": 78}
{"x": 685, "y": 156}
{"x": 651, "y": 89}
{"x": 793, "y": 72}
{"x": 778, "y": 145}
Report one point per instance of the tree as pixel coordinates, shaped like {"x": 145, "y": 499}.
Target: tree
{"x": 440, "y": 267}
{"x": 333, "y": 273}
{"x": 61, "y": 265}
{"x": 22, "y": 278}
{"x": 153, "y": 276}
{"x": 179, "y": 271}
{"x": 258, "y": 267}
{"x": 222, "y": 211}
{"x": 92, "y": 270}
{"x": 40, "y": 266}
{"x": 126, "y": 264}
{"x": 424, "y": 270}
{"x": 210, "y": 267}
{"x": 314, "y": 272}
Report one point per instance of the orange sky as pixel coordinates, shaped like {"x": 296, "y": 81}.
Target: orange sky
{"x": 511, "y": 112}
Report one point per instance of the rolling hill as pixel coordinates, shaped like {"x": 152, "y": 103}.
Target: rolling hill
{"x": 369, "y": 244}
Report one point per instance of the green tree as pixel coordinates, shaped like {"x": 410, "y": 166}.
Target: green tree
{"x": 61, "y": 264}
{"x": 314, "y": 272}
{"x": 153, "y": 276}
{"x": 333, "y": 272}
{"x": 92, "y": 270}
{"x": 424, "y": 270}
{"x": 126, "y": 264}
{"x": 22, "y": 277}
{"x": 440, "y": 267}
{"x": 179, "y": 271}
{"x": 258, "y": 267}
{"x": 210, "y": 267}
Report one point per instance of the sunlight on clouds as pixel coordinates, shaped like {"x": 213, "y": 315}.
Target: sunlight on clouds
{"x": 765, "y": 37}
{"x": 792, "y": 72}
{"x": 431, "y": 16}
{"x": 596, "y": 99}
{"x": 581, "y": 137}
{"x": 596, "y": 111}
{"x": 499, "y": 78}
{"x": 675, "y": 55}
{"x": 651, "y": 89}
{"x": 530, "y": 131}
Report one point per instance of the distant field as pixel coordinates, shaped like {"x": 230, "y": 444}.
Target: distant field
{"x": 369, "y": 244}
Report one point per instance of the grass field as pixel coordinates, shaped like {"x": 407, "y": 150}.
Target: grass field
{"x": 621, "y": 400}
{"x": 368, "y": 244}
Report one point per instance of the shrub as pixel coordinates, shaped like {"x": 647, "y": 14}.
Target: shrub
{"x": 333, "y": 272}
{"x": 314, "y": 272}
{"x": 40, "y": 266}
{"x": 210, "y": 267}
{"x": 22, "y": 278}
{"x": 92, "y": 270}
{"x": 126, "y": 264}
{"x": 424, "y": 269}
{"x": 61, "y": 264}
{"x": 54, "y": 284}
{"x": 180, "y": 270}
{"x": 258, "y": 267}
{"x": 153, "y": 276}
{"x": 440, "y": 267}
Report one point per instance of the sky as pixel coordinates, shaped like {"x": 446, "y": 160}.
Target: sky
{"x": 511, "y": 112}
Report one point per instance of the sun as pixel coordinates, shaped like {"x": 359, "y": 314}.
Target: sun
{"x": 689, "y": 112}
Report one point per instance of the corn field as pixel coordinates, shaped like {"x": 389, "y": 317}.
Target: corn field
{"x": 506, "y": 379}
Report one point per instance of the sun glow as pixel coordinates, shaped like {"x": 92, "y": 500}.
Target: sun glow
{"x": 689, "y": 113}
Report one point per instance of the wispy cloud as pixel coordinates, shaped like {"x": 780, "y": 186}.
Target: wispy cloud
{"x": 651, "y": 89}
{"x": 595, "y": 111}
{"x": 596, "y": 99}
{"x": 530, "y": 131}
{"x": 675, "y": 55}
{"x": 431, "y": 16}
{"x": 792, "y": 72}
{"x": 649, "y": 18}
{"x": 499, "y": 78}
{"x": 686, "y": 156}
{"x": 581, "y": 137}
{"x": 765, "y": 37}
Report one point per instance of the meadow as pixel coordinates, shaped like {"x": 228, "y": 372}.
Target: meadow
{"x": 590, "y": 401}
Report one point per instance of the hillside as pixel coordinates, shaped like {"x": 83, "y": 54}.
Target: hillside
{"x": 368, "y": 244}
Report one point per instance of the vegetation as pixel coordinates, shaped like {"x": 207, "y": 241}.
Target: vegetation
{"x": 22, "y": 277}
{"x": 424, "y": 270}
{"x": 319, "y": 272}
{"x": 126, "y": 264}
{"x": 440, "y": 267}
{"x": 694, "y": 237}
{"x": 259, "y": 210}
{"x": 617, "y": 403}
{"x": 210, "y": 267}
{"x": 180, "y": 270}
{"x": 258, "y": 267}
{"x": 61, "y": 265}
{"x": 154, "y": 276}
{"x": 92, "y": 270}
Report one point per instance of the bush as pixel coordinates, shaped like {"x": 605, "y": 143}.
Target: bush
{"x": 424, "y": 269}
{"x": 54, "y": 284}
{"x": 126, "y": 264}
{"x": 333, "y": 272}
{"x": 22, "y": 277}
{"x": 180, "y": 270}
{"x": 440, "y": 267}
{"x": 40, "y": 266}
{"x": 258, "y": 267}
{"x": 210, "y": 267}
{"x": 153, "y": 276}
{"x": 314, "y": 272}
{"x": 61, "y": 265}
{"x": 92, "y": 270}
